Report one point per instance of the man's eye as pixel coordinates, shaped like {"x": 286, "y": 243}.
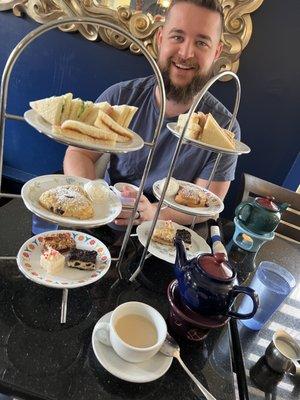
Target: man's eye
{"x": 200, "y": 43}
{"x": 176, "y": 38}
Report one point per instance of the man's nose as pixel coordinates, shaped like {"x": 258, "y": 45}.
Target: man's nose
{"x": 186, "y": 49}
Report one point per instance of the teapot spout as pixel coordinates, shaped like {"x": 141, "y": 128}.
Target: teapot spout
{"x": 283, "y": 206}
{"x": 181, "y": 259}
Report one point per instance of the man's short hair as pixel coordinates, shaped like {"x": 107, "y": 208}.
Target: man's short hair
{"x": 213, "y": 5}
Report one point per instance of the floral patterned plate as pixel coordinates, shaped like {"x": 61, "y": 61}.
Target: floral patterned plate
{"x": 103, "y": 213}
{"x": 166, "y": 252}
{"x": 28, "y": 260}
{"x": 215, "y": 203}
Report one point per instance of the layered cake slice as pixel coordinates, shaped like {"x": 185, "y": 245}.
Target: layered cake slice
{"x": 82, "y": 259}
{"x": 52, "y": 261}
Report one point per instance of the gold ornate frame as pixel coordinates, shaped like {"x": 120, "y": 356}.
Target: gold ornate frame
{"x": 237, "y": 33}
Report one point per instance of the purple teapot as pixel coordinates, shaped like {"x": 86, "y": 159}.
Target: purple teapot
{"x": 207, "y": 284}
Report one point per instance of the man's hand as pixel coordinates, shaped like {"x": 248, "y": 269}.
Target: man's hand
{"x": 145, "y": 211}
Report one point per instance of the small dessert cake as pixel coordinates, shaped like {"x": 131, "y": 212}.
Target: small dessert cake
{"x": 68, "y": 201}
{"x": 172, "y": 189}
{"x": 52, "y": 261}
{"x": 164, "y": 233}
{"x": 184, "y": 235}
{"x": 191, "y": 197}
{"x": 82, "y": 259}
{"x": 59, "y": 241}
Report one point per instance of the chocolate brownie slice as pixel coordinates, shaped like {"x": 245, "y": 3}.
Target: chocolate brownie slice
{"x": 82, "y": 259}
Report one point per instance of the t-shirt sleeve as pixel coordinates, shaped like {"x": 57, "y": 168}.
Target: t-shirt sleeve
{"x": 226, "y": 167}
{"x": 111, "y": 95}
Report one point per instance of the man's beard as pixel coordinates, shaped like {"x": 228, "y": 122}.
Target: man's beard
{"x": 183, "y": 94}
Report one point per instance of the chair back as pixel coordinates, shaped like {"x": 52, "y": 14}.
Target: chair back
{"x": 289, "y": 226}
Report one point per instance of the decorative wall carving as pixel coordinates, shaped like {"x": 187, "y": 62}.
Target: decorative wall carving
{"x": 143, "y": 25}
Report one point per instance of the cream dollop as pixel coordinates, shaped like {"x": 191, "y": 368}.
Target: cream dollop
{"x": 97, "y": 191}
{"x": 173, "y": 187}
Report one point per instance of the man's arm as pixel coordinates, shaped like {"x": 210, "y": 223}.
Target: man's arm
{"x": 80, "y": 162}
{"x": 147, "y": 210}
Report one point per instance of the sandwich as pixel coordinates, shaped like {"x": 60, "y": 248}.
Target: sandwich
{"x": 104, "y": 121}
{"x": 54, "y": 108}
{"x": 123, "y": 114}
{"x": 205, "y": 128}
{"x": 85, "y": 133}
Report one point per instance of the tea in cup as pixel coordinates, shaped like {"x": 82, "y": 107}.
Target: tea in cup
{"x": 136, "y": 331}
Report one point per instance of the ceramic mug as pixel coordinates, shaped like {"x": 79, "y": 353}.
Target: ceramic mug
{"x": 283, "y": 353}
{"x": 108, "y": 335}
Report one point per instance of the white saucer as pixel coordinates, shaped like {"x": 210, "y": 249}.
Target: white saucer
{"x": 146, "y": 371}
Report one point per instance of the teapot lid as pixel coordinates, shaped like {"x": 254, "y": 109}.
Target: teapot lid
{"x": 267, "y": 203}
{"x": 216, "y": 266}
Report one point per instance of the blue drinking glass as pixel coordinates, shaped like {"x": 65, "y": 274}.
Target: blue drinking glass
{"x": 273, "y": 284}
{"x": 40, "y": 225}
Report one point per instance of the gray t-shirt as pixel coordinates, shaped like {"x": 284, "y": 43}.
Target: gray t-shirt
{"x": 192, "y": 162}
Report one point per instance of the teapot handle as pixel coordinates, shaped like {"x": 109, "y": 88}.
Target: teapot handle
{"x": 236, "y": 290}
{"x": 239, "y": 210}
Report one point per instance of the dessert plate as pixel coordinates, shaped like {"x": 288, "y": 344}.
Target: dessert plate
{"x": 28, "y": 260}
{"x": 240, "y": 147}
{"x": 215, "y": 203}
{"x": 103, "y": 212}
{"x": 41, "y": 125}
{"x": 146, "y": 371}
{"x": 168, "y": 253}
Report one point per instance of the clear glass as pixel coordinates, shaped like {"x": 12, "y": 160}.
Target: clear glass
{"x": 40, "y": 225}
{"x": 273, "y": 284}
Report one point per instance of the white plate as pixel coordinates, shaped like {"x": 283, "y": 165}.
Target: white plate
{"x": 37, "y": 122}
{"x": 215, "y": 203}
{"x": 168, "y": 253}
{"x": 240, "y": 147}
{"x": 28, "y": 260}
{"x": 146, "y": 371}
{"x": 103, "y": 213}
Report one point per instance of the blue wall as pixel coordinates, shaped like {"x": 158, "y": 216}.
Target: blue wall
{"x": 60, "y": 62}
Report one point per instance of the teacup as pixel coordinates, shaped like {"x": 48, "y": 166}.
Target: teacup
{"x": 136, "y": 331}
{"x": 119, "y": 187}
{"x": 283, "y": 353}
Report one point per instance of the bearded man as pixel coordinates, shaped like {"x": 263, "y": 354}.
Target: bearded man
{"x": 188, "y": 43}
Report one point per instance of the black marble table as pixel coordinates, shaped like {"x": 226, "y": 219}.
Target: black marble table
{"x": 265, "y": 384}
{"x": 40, "y": 358}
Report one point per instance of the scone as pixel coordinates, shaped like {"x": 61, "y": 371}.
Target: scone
{"x": 68, "y": 201}
{"x": 191, "y": 197}
{"x": 164, "y": 233}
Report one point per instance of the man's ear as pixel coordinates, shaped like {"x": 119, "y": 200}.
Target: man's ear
{"x": 159, "y": 36}
{"x": 218, "y": 50}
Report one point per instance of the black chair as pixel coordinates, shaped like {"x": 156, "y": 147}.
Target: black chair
{"x": 289, "y": 226}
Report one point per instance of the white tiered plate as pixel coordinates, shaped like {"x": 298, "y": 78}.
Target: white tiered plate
{"x": 146, "y": 371}
{"x": 28, "y": 260}
{"x": 240, "y": 147}
{"x": 37, "y": 122}
{"x": 104, "y": 213}
{"x": 215, "y": 203}
{"x": 168, "y": 253}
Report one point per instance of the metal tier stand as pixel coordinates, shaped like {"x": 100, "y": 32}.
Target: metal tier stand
{"x": 176, "y": 153}
{"x": 3, "y": 114}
